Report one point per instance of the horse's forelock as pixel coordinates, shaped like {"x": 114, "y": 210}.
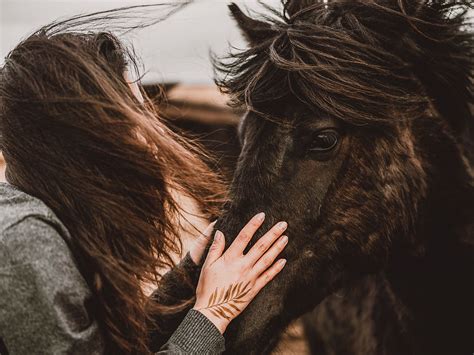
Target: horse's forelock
{"x": 344, "y": 59}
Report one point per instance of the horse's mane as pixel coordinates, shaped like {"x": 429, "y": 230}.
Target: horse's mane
{"x": 359, "y": 61}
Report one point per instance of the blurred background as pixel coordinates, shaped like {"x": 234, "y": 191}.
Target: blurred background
{"x": 175, "y": 50}
{"x": 175, "y": 60}
{"x": 174, "y": 55}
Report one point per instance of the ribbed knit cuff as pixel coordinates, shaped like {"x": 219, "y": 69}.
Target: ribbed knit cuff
{"x": 198, "y": 335}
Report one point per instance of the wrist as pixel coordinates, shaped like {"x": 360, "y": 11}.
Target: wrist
{"x": 220, "y": 323}
{"x": 195, "y": 256}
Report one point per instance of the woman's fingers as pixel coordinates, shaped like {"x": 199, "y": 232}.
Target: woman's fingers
{"x": 199, "y": 245}
{"x": 216, "y": 249}
{"x": 269, "y": 257}
{"x": 242, "y": 240}
{"x": 262, "y": 245}
{"x": 208, "y": 231}
{"x": 234, "y": 276}
{"x": 269, "y": 275}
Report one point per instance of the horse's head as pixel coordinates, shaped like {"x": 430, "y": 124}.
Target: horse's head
{"x": 342, "y": 138}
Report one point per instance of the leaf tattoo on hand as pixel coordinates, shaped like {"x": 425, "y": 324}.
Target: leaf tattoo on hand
{"x": 223, "y": 303}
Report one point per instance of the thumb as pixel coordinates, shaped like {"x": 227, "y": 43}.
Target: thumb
{"x": 205, "y": 237}
{"x": 216, "y": 249}
{"x": 200, "y": 244}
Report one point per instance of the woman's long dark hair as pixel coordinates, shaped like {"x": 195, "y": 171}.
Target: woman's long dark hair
{"x": 74, "y": 136}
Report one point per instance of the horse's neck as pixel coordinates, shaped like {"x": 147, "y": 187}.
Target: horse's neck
{"x": 447, "y": 215}
{"x": 446, "y": 223}
{"x": 435, "y": 287}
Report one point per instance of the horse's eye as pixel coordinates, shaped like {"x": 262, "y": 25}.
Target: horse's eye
{"x": 324, "y": 141}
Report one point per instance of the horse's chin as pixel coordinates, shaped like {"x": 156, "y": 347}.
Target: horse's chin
{"x": 242, "y": 338}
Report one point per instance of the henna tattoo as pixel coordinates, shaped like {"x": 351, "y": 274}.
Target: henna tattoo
{"x": 223, "y": 302}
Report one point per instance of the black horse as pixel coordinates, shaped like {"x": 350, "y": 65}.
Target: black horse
{"x": 358, "y": 132}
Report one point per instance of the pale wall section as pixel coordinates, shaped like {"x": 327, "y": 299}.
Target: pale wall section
{"x": 176, "y": 50}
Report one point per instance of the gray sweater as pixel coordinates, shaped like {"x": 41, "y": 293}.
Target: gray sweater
{"x": 44, "y": 297}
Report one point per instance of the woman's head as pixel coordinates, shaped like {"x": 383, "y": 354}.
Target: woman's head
{"x": 75, "y": 136}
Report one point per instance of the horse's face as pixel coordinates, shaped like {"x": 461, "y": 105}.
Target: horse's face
{"x": 285, "y": 170}
{"x": 278, "y": 158}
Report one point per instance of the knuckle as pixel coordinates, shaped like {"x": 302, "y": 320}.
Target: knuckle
{"x": 274, "y": 234}
{"x": 252, "y": 284}
{"x": 261, "y": 247}
{"x": 274, "y": 270}
{"x": 258, "y": 286}
{"x": 244, "y": 236}
{"x": 277, "y": 231}
{"x": 255, "y": 288}
{"x": 267, "y": 260}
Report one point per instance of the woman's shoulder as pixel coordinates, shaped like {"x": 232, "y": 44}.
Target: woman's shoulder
{"x": 45, "y": 299}
{"x": 28, "y": 228}
{"x": 19, "y": 211}
{"x": 19, "y": 208}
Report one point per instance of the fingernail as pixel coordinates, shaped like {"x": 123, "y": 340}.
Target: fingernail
{"x": 282, "y": 225}
{"x": 284, "y": 239}
{"x": 260, "y": 216}
{"x": 282, "y": 262}
{"x": 218, "y": 235}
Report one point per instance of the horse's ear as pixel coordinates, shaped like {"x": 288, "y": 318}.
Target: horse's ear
{"x": 253, "y": 30}
{"x": 293, "y": 6}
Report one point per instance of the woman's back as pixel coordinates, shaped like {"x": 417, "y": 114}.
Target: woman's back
{"x": 51, "y": 304}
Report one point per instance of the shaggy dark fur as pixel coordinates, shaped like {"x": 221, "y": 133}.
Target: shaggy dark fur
{"x": 380, "y": 225}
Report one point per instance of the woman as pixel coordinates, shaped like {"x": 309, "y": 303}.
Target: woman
{"x": 88, "y": 216}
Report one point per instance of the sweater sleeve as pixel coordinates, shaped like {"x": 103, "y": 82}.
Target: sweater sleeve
{"x": 175, "y": 287}
{"x": 195, "y": 335}
{"x": 186, "y": 331}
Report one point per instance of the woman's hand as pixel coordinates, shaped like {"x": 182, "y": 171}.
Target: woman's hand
{"x": 230, "y": 280}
